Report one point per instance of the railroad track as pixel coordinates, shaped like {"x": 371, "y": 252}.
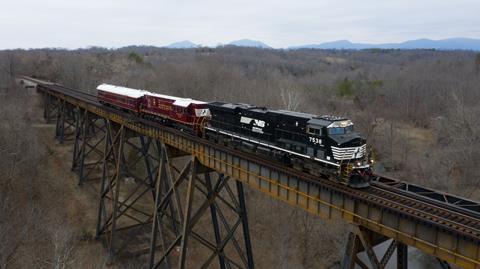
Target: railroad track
{"x": 430, "y": 211}
{"x": 82, "y": 95}
{"x": 459, "y": 204}
{"x": 443, "y": 215}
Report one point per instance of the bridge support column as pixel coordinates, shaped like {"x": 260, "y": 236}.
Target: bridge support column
{"x": 444, "y": 264}
{"x": 364, "y": 240}
{"x": 200, "y": 189}
{"x": 402, "y": 256}
{"x": 65, "y": 125}
{"x": 89, "y": 141}
{"x": 50, "y": 107}
{"x": 127, "y": 190}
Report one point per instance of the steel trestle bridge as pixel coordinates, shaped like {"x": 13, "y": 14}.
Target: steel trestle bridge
{"x": 158, "y": 183}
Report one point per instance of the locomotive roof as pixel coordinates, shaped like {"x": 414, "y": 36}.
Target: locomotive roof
{"x": 325, "y": 120}
{"x": 232, "y": 105}
{"x": 294, "y": 114}
{"x": 178, "y": 101}
{"x": 121, "y": 90}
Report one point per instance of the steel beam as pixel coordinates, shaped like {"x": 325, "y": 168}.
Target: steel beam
{"x": 188, "y": 214}
{"x": 364, "y": 240}
{"x": 246, "y": 230}
{"x": 402, "y": 256}
{"x": 215, "y": 225}
{"x": 388, "y": 254}
{"x": 350, "y": 257}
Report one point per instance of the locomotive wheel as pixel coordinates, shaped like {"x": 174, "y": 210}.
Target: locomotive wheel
{"x": 357, "y": 181}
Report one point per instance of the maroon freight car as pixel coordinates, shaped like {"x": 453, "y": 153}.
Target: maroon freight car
{"x": 183, "y": 110}
{"x": 120, "y": 97}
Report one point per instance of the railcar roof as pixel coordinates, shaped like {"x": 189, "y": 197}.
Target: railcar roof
{"x": 135, "y": 93}
{"x": 121, "y": 90}
{"x": 178, "y": 101}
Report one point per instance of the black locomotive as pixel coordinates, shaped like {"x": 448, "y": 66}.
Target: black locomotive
{"x": 323, "y": 145}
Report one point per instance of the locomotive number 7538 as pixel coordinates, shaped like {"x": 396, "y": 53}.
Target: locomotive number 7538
{"x": 315, "y": 140}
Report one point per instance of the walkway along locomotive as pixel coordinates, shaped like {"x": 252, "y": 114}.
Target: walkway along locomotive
{"x": 319, "y": 145}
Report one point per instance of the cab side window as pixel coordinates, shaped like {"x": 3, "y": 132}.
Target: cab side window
{"x": 314, "y": 131}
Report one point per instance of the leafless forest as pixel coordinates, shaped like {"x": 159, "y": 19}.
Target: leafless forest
{"x": 419, "y": 110}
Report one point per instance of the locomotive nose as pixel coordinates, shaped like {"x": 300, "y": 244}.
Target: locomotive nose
{"x": 348, "y": 140}
{"x": 355, "y": 142}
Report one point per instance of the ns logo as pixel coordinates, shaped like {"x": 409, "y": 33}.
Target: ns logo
{"x": 257, "y": 125}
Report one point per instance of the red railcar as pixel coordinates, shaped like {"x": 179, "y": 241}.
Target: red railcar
{"x": 182, "y": 110}
{"x": 121, "y": 97}
{"x": 169, "y": 109}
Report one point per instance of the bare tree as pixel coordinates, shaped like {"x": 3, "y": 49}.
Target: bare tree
{"x": 291, "y": 97}
{"x": 63, "y": 247}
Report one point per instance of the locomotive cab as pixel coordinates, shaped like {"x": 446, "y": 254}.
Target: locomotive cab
{"x": 333, "y": 140}
{"x": 348, "y": 149}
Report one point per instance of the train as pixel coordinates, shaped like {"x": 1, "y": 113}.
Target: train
{"x": 326, "y": 146}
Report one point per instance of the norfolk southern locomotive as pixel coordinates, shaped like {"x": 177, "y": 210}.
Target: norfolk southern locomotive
{"x": 319, "y": 145}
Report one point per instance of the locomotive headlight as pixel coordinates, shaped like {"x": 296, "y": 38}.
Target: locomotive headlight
{"x": 358, "y": 163}
{"x": 371, "y": 161}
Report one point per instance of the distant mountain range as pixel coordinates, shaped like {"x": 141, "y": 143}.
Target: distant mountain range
{"x": 444, "y": 44}
{"x": 182, "y": 45}
{"x": 249, "y": 43}
{"x": 239, "y": 43}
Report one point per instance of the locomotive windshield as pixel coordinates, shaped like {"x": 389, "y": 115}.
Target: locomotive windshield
{"x": 340, "y": 127}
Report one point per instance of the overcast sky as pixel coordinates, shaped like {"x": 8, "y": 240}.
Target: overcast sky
{"x": 116, "y": 23}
